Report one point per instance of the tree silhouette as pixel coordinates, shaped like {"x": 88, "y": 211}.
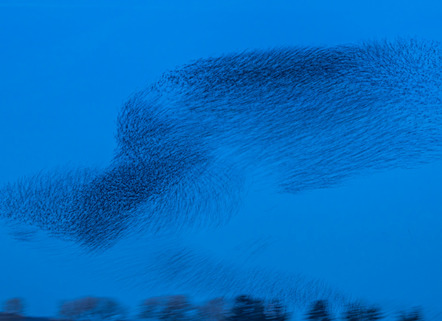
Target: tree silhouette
{"x": 275, "y": 311}
{"x": 214, "y": 310}
{"x": 177, "y": 308}
{"x": 415, "y": 315}
{"x": 357, "y": 312}
{"x": 319, "y": 311}
{"x": 151, "y": 308}
{"x": 374, "y": 313}
{"x": 13, "y": 310}
{"x": 109, "y": 310}
{"x": 247, "y": 308}
{"x": 14, "y": 306}
{"x": 92, "y": 308}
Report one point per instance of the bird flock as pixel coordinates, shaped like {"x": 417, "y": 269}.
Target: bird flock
{"x": 190, "y": 145}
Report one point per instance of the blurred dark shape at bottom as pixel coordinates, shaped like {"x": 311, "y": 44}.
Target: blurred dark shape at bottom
{"x": 358, "y": 312}
{"x": 92, "y": 308}
{"x": 248, "y": 308}
{"x": 243, "y": 307}
{"x": 319, "y": 311}
{"x": 17, "y": 317}
{"x": 14, "y": 306}
{"x": 414, "y": 315}
{"x": 239, "y": 308}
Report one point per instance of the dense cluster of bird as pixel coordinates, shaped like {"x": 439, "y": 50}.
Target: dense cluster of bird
{"x": 189, "y": 146}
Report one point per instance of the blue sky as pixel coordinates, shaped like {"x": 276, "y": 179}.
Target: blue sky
{"x": 66, "y": 70}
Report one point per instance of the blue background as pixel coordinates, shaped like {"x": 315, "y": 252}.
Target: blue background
{"x": 67, "y": 67}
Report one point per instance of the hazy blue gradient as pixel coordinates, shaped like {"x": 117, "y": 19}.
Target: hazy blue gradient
{"x": 67, "y": 70}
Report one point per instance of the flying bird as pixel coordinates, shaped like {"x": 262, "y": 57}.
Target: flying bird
{"x": 189, "y": 145}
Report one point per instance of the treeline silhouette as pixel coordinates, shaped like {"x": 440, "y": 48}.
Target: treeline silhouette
{"x": 180, "y": 308}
